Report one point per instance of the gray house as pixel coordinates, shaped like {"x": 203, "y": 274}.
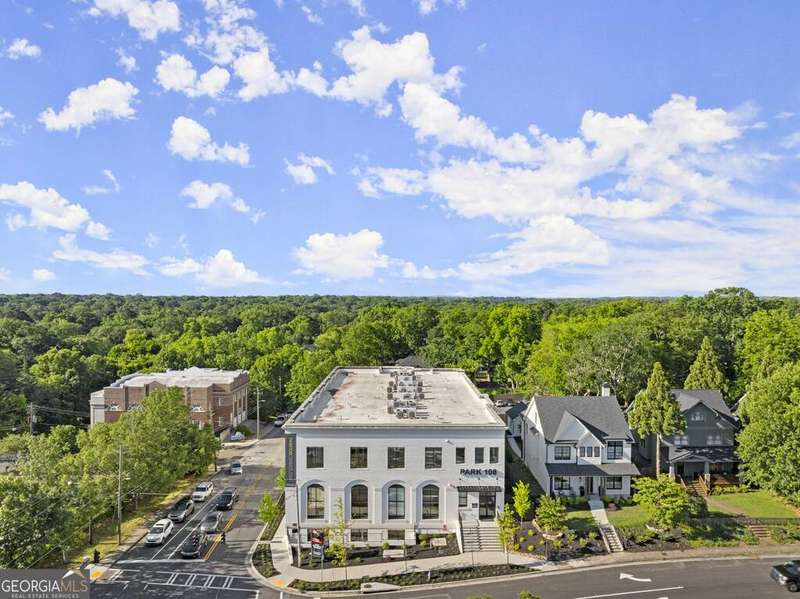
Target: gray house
{"x": 706, "y": 447}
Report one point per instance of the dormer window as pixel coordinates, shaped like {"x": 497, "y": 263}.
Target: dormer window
{"x": 561, "y": 452}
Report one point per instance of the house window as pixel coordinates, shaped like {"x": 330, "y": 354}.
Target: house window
{"x": 433, "y": 457}
{"x": 315, "y": 457}
{"x": 614, "y": 483}
{"x": 681, "y": 440}
{"x": 430, "y": 502}
{"x": 561, "y": 452}
{"x": 698, "y": 416}
{"x": 315, "y": 502}
{"x": 582, "y": 451}
{"x": 359, "y": 503}
{"x": 397, "y": 502}
{"x": 479, "y": 455}
{"x": 561, "y": 483}
{"x": 358, "y": 535}
{"x": 397, "y": 457}
{"x": 358, "y": 457}
{"x": 597, "y": 451}
{"x": 494, "y": 455}
{"x": 396, "y": 535}
{"x": 462, "y": 498}
{"x": 460, "y": 455}
{"x": 614, "y": 450}
{"x": 714, "y": 440}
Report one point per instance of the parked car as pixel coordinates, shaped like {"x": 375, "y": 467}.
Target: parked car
{"x": 159, "y": 533}
{"x": 203, "y": 491}
{"x": 787, "y": 574}
{"x": 211, "y": 522}
{"x": 193, "y": 546}
{"x": 228, "y": 497}
{"x": 181, "y": 509}
{"x": 279, "y": 421}
{"x": 237, "y": 436}
{"x": 236, "y": 468}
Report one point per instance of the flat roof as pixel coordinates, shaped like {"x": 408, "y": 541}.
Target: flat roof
{"x": 190, "y": 377}
{"x": 359, "y": 396}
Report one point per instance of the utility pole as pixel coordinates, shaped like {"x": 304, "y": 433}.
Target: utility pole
{"x": 258, "y": 413}
{"x": 31, "y": 417}
{"x": 119, "y": 498}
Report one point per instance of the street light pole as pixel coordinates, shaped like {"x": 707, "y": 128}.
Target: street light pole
{"x": 258, "y": 413}
{"x": 119, "y": 497}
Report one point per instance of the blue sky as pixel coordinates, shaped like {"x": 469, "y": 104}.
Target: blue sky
{"x": 410, "y": 147}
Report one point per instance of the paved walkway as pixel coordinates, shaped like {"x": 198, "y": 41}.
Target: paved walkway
{"x": 598, "y": 509}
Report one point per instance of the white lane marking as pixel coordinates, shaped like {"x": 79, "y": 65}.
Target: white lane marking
{"x": 151, "y": 561}
{"x": 623, "y": 576}
{"x": 184, "y": 526}
{"x": 631, "y": 593}
{"x": 185, "y": 586}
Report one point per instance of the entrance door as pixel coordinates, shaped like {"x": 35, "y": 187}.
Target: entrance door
{"x": 486, "y": 505}
{"x": 589, "y": 485}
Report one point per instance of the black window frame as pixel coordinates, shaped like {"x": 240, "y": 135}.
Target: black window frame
{"x": 433, "y": 458}
{"x": 597, "y": 451}
{"x": 494, "y": 455}
{"x": 613, "y": 486}
{"x": 461, "y": 455}
{"x": 558, "y": 449}
{"x": 310, "y": 455}
{"x": 318, "y": 511}
{"x": 463, "y": 498}
{"x": 479, "y": 455}
{"x": 392, "y": 461}
{"x": 582, "y": 451}
{"x": 359, "y": 511}
{"x": 396, "y": 535}
{"x": 615, "y": 450}
{"x": 560, "y": 486}
{"x": 355, "y": 454}
{"x": 361, "y": 533}
{"x": 393, "y": 501}
{"x": 430, "y": 509}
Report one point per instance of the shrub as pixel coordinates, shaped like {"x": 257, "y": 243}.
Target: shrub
{"x": 665, "y": 501}
{"x": 244, "y": 429}
{"x": 727, "y": 489}
{"x": 551, "y": 514}
{"x": 583, "y": 542}
{"x": 386, "y": 545}
{"x": 530, "y": 532}
{"x": 593, "y": 535}
{"x": 788, "y": 533}
{"x": 527, "y": 595}
{"x": 529, "y": 548}
{"x": 697, "y": 507}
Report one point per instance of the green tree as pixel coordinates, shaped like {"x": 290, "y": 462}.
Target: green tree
{"x": 551, "y": 514}
{"x": 268, "y": 509}
{"x": 338, "y": 536}
{"x": 705, "y": 372}
{"x": 507, "y": 528}
{"x": 771, "y": 337}
{"x": 769, "y": 446}
{"x": 522, "y": 499}
{"x": 666, "y": 502}
{"x": 656, "y": 411}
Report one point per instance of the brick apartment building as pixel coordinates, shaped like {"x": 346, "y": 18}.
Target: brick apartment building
{"x": 217, "y": 398}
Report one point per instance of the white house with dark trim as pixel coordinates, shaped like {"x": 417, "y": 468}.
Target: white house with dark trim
{"x": 578, "y": 446}
{"x": 405, "y": 450}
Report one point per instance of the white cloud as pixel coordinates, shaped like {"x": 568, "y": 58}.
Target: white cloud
{"x": 311, "y": 16}
{"x": 391, "y": 180}
{"x": 176, "y": 73}
{"x": 116, "y": 259}
{"x": 311, "y": 81}
{"x": 358, "y": 7}
{"x": 151, "y": 240}
{"x": 190, "y": 140}
{"x": 376, "y": 66}
{"x": 94, "y": 190}
{"x": 303, "y": 172}
{"x": 127, "y": 62}
{"x": 785, "y": 115}
{"x": 426, "y": 7}
{"x": 98, "y": 231}
{"x": 339, "y": 257}
{"x": 42, "y": 274}
{"x": 791, "y": 141}
{"x": 5, "y": 115}
{"x": 227, "y": 35}
{"x": 148, "y": 18}
{"x": 259, "y": 75}
{"x": 204, "y": 195}
{"x": 105, "y": 100}
{"x": 22, "y": 48}
{"x": 220, "y": 270}
{"x": 47, "y": 208}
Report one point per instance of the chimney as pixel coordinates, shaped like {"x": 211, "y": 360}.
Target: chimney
{"x": 605, "y": 390}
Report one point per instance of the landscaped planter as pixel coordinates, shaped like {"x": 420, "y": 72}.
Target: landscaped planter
{"x": 532, "y": 541}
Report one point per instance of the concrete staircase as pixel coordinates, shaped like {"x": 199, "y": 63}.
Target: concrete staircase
{"x": 481, "y": 536}
{"x": 611, "y": 538}
{"x": 762, "y": 533}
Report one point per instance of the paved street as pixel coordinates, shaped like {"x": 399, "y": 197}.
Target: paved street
{"x": 222, "y": 570}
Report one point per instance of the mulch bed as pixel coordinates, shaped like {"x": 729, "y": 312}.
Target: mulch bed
{"x": 262, "y": 560}
{"x": 530, "y": 541}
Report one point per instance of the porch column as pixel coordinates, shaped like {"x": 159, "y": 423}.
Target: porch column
{"x": 672, "y": 471}
{"x": 707, "y": 473}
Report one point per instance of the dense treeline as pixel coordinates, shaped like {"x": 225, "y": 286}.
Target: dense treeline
{"x": 56, "y": 349}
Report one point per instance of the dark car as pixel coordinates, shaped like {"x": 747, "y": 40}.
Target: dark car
{"x": 182, "y": 509}
{"x": 193, "y": 546}
{"x": 227, "y": 498}
{"x": 788, "y": 575}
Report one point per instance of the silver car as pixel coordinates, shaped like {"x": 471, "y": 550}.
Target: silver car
{"x": 211, "y": 522}
{"x": 236, "y": 468}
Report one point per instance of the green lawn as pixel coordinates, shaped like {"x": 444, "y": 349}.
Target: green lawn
{"x": 581, "y": 520}
{"x": 756, "y": 504}
{"x": 627, "y": 516}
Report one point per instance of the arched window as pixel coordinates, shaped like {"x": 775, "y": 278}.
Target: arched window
{"x": 359, "y": 502}
{"x": 430, "y": 502}
{"x": 315, "y": 502}
{"x": 397, "y": 502}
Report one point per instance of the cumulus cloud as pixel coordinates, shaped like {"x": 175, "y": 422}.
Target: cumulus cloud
{"x": 227, "y": 33}
{"x": 127, "y": 62}
{"x": 220, "y": 270}
{"x": 45, "y": 208}
{"x": 426, "y": 7}
{"x": 22, "y": 48}
{"x": 42, "y": 275}
{"x": 204, "y": 195}
{"x": 94, "y": 190}
{"x": 5, "y": 115}
{"x": 339, "y": 257}
{"x": 176, "y": 73}
{"x": 259, "y": 75}
{"x": 98, "y": 231}
{"x": 303, "y": 172}
{"x": 148, "y": 18}
{"x": 108, "y": 99}
{"x": 191, "y": 141}
{"x": 391, "y": 180}
{"x": 115, "y": 260}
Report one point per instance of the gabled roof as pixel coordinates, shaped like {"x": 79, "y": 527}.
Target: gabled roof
{"x": 711, "y": 398}
{"x": 601, "y": 415}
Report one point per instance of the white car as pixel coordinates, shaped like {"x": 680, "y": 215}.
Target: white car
{"x": 236, "y": 468}
{"x": 159, "y": 533}
{"x": 203, "y": 491}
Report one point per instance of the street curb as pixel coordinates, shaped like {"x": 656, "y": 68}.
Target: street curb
{"x": 251, "y": 569}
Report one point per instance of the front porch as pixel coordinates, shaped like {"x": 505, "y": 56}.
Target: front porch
{"x": 700, "y": 467}
{"x": 589, "y": 480}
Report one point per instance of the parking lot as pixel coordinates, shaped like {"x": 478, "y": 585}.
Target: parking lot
{"x": 221, "y": 568}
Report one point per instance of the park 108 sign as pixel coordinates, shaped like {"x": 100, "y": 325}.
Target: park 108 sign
{"x": 478, "y": 472}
